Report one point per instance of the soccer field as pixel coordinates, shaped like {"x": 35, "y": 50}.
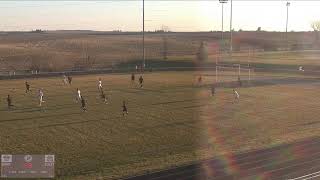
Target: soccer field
{"x": 171, "y": 121}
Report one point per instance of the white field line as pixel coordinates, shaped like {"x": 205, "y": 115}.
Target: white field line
{"x": 312, "y": 177}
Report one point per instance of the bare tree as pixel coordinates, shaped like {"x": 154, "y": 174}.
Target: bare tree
{"x": 34, "y": 65}
{"x": 165, "y": 47}
{"x": 316, "y": 27}
{"x": 202, "y": 54}
{"x": 259, "y": 29}
{"x": 86, "y": 61}
{"x": 90, "y": 61}
{"x": 164, "y": 30}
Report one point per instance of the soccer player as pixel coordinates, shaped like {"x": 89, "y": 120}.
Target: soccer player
{"x": 83, "y": 104}
{"x": 301, "y": 68}
{"x": 213, "y": 90}
{"x": 239, "y": 81}
{"x": 124, "y": 108}
{"x": 141, "y": 81}
{"x": 132, "y": 78}
{"x": 9, "y": 101}
{"x": 199, "y": 80}
{"x": 70, "y": 79}
{"x": 104, "y": 97}
{"x": 236, "y": 94}
{"x": 100, "y": 84}
{"x": 65, "y": 79}
{"x": 41, "y": 97}
{"x": 78, "y": 94}
{"x": 27, "y": 87}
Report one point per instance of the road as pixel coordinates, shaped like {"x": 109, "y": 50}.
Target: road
{"x": 296, "y": 161}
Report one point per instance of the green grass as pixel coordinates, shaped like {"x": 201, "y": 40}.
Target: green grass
{"x": 170, "y": 122}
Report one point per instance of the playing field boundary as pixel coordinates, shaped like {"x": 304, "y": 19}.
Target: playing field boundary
{"x": 23, "y": 75}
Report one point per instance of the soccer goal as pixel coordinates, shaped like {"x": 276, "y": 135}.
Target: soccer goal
{"x": 233, "y": 72}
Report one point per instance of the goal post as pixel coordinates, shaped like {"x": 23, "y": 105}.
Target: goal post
{"x": 232, "y": 72}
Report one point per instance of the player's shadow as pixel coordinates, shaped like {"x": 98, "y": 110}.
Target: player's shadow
{"x": 37, "y": 117}
{"x": 191, "y": 107}
{"x": 308, "y": 123}
{"x": 172, "y": 102}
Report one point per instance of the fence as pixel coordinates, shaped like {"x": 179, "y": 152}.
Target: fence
{"x": 220, "y": 67}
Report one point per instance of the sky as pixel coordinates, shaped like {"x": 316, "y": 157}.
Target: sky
{"x": 176, "y": 15}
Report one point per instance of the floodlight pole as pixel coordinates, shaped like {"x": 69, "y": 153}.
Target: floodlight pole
{"x": 216, "y": 68}
{"x": 231, "y": 28}
{"x": 222, "y": 42}
{"x": 222, "y": 2}
{"x": 249, "y": 68}
{"x": 143, "y": 48}
{"x": 288, "y": 4}
{"x": 222, "y": 46}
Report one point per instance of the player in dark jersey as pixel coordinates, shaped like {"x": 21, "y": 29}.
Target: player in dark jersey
{"x": 104, "y": 97}
{"x": 200, "y": 80}
{"x": 83, "y": 104}
{"x": 70, "y": 80}
{"x": 9, "y": 101}
{"x": 132, "y": 78}
{"x": 213, "y": 90}
{"x": 141, "y": 81}
{"x": 124, "y": 108}
{"x": 27, "y": 87}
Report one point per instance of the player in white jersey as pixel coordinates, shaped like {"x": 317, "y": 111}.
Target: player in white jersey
{"x": 301, "y": 68}
{"x": 41, "y": 97}
{"x": 100, "y": 84}
{"x": 104, "y": 97}
{"x": 78, "y": 94}
{"x": 65, "y": 79}
{"x": 236, "y": 94}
